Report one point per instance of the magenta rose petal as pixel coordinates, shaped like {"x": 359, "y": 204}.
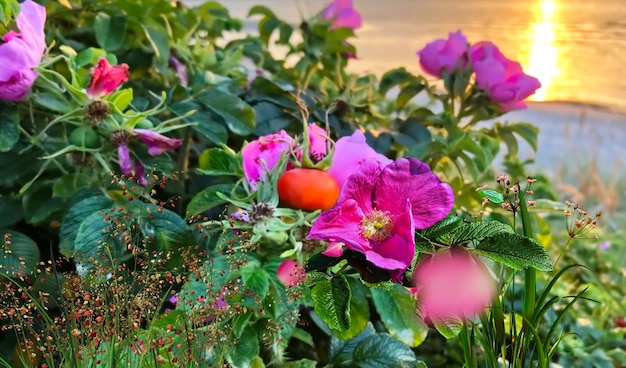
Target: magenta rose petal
{"x": 341, "y": 223}
{"x": 431, "y": 199}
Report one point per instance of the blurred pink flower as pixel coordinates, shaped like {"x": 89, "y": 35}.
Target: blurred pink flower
{"x": 22, "y": 51}
{"x": 502, "y": 79}
{"x": 262, "y": 155}
{"x": 350, "y": 153}
{"x": 452, "y": 285}
{"x": 379, "y": 209}
{"x": 105, "y": 78}
{"x": 290, "y": 273}
{"x": 343, "y": 14}
{"x": 447, "y": 55}
{"x": 318, "y": 138}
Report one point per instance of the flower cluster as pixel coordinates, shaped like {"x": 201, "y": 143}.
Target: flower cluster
{"x": 502, "y": 79}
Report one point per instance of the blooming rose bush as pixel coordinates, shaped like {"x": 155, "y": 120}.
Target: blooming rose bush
{"x": 212, "y": 217}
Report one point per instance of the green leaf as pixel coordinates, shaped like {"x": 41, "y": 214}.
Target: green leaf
{"x": 96, "y": 238}
{"x": 9, "y": 127}
{"x": 528, "y": 132}
{"x": 159, "y": 41}
{"x": 261, "y": 10}
{"x": 492, "y": 195}
{"x": 359, "y": 311}
{"x": 110, "y": 30}
{"x": 11, "y": 210}
{"x": 202, "y": 121}
{"x": 477, "y": 230}
{"x": 52, "y": 102}
{"x": 341, "y": 351}
{"x": 394, "y": 78}
{"x": 19, "y": 254}
{"x": 398, "y": 312}
{"x": 242, "y": 352}
{"x": 67, "y": 185}
{"x": 89, "y": 56}
{"x": 256, "y": 278}
{"x": 449, "y": 327}
{"x": 382, "y": 351}
{"x": 238, "y": 115}
{"x": 408, "y": 92}
{"x": 122, "y": 98}
{"x": 39, "y": 206}
{"x": 207, "y": 199}
{"x": 515, "y": 251}
{"x": 302, "y": 363}
{"x": 331, "y": 300}
{"x": 216, "y": 161}
{"x": 75, "y": 216}
{"x": 8, "y": 10}
{"x": 165, "y": 227}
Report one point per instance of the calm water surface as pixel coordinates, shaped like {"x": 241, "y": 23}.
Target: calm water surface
{"x": 577, "y": 48}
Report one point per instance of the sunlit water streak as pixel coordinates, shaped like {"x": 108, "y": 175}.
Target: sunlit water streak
{"x": 577, "y": 48}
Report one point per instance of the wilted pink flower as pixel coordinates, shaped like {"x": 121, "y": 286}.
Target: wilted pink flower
{"x": 447, "y": 55}
{"x": 21, "y": 52}
{"x": 290, "y": 273}
{"x": 262, "y": 155}
{"x": 350, "y": 153}
{"x": 157, "y": 143}
{"x": 452, "y": 285}
{"x": 502, "y": 79}
{"x": 379, "y": 209}
{"x": 343, "y": 14}
{"x": 181, "y": 70}
{"x": 105, "y": 78}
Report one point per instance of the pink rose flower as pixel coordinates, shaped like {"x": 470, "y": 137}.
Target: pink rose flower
{"x": 379, "y": 209}
{"x": 452, "y": 285}
{"x": 22, "y": 51}
{"x": 447, "y": 55}
{"x": 105, "y": 78}
{"x": 343, "y": 14}
{"x": 290, "y": 273}
{"x": 350, "y": 153}
{"x": 262, "y": 155}
{"x": 502, "y": 79}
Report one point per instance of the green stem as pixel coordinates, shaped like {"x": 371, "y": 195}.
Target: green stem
{"x": 530, "y": 277}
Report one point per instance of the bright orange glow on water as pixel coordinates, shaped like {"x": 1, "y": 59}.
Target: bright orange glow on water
{"x": 543, "y": 57}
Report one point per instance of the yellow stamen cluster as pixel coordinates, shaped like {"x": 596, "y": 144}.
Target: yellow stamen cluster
{"x": 376, "y": 226}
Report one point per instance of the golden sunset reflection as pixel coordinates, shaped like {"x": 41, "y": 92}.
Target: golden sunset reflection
{"x": 542, "y": 61}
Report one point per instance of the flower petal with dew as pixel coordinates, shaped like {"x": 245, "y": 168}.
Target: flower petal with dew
{"x": 157, "y": 143}
{"x": 453, "y": 285}
{"x": 350, "y": 153}
{"x": 262, "y": 155}
{"x": 22, "y": 51}
{"x": 290, "y": 273}
{"x": 378, "y": 209}
{"x": 502, "y": 79}
{"x": 343, "y": 14}
{"x": 105, "y": 78}
{"x": 444, "y": 55}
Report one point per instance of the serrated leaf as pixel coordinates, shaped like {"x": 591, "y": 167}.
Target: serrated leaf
{"x": 492, "y": 195}
{"x": 19, "y": 254}
{"x": 341, "y": 350}
{"x": 449, "y": 223}
{"x": 244, "y": 350}
{"x": 207, "y": 199}
{"x": 477, "y": 230}
{"x": 449, "y": 327}
{"x": 382, "y": 351}
{"x": 398, "y": 312}
{"x": 203, "y": 123}
{"x": 515, "y": 251}
{"x": 165, "y": 227}
{"x": 237, "y": 114}
{"x": 359, "y": 311}
{"x": 75, "y": 216}
{"x": 256, "y": 278}
{"x": 331, "y": 300}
